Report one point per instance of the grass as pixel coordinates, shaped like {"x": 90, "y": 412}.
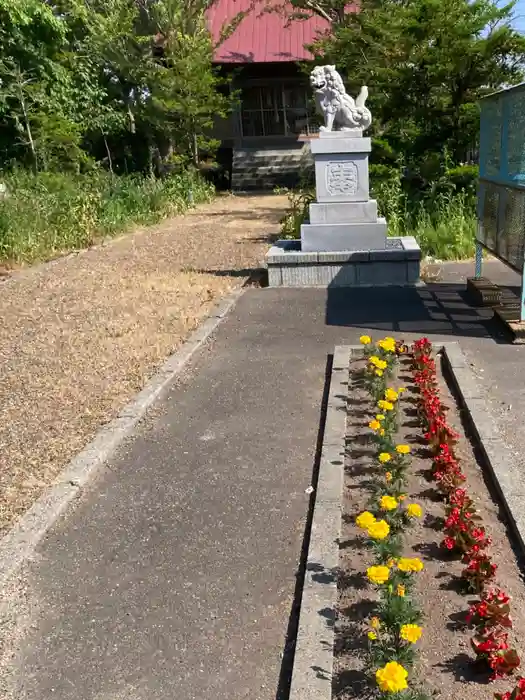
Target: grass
{"x": 443, "y": 224}
{"x": 47, "y": 214}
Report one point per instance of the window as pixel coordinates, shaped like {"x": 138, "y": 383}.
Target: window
{"x": 276, "y": 110}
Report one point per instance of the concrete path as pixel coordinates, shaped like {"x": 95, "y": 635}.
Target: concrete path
{"x": 173, "y": 578}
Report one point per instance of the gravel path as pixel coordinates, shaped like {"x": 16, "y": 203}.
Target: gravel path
{"x": 80, "y": 335}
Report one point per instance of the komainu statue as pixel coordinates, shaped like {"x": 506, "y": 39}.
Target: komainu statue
{"x": 337, "y": 107}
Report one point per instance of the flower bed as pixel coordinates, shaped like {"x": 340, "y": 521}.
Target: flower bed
{"x": 430, "y": 596}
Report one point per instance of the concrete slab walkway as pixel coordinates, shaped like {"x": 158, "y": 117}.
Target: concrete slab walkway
{"x": 173, "y": 577}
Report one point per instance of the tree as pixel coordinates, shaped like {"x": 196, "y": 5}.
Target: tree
{"x": 427, "y": 63}
{"x": 185, "y": 89}
{"x": 124, "y": 82}
{"x": 31, "y": 41}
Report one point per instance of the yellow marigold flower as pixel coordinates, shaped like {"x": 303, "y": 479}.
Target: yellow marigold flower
{"x": 373, "y": 360}
{"x": 380, "y": 416}
{"x": 379, "y": 372}
{"x": 385, "y": 405}
{"x": 379, "y": 530}
{"x": 392, "y": 678}
{"x": 401, "y": 590}
{"x": 365, "y": 340}
{"x": 388, "y": 503}
{"x": 384, "y": 457}
{"x": 403, "y": 449}
{"x": 364, "y": 520}
{"x": 387, "y": 344}
{"x": 406, "y": 564}
{"x": 381, "y": 432}
{"x": 375, "y": 623}
{"x": 374, "y": 424}
{"x": 401, "y": 390}
{"x": 378, "y": 574}
{"x": 410, "y": 633}
{"x": 391, "y": 395}
{"x": 414, "y": 510}
{"x": 382, "y": 364}
{"x": 386, "y": 347}
{"x": 372, "y": 636}
{"x": 388, "y": 476}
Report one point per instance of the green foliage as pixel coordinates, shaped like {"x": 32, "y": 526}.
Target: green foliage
{"x": 387, "y": 549}
{"x": 126, "y": 83}
{"x": 51, "y": 213}
{"x": 427, "y": 63}
{"x": 441, "y": 218}
{"x": 298, "y": 203}
{"x": 90, "y": 86}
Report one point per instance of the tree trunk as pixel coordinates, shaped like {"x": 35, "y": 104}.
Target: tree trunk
{"x": 110, "y": 160}
{"x": 27, "y": 126}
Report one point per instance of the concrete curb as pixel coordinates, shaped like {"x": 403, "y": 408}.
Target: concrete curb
{"x": 314, "y": 658}
{"x": 20, "y": 542}
{"x": 499, "y": 460}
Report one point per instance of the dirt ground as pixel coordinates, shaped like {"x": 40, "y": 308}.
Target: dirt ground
{"x": 80, "y": 335}
{"x": 445, "y": 665}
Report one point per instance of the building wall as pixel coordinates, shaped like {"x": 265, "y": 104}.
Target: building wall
{"x": 275, "y": 103}
{"x": 268, "y": 134}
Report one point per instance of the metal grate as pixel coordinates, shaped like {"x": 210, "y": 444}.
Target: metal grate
{"x": 512, "y": 232}
{"x": 501, "y": 194}
{"x": 394, "y": 244}
{"x": 490, "y": 138}
{"x": 502, "y": 218}
{"x": 514, "y": 121}
{"x": 488, "y": 232}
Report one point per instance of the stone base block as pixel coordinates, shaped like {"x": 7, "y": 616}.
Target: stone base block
{"x": 483, "y": 292}
{"x": 515, "y": 328}
{"x": 346, "y": 144}
{"x": 344, "y": 212}
{"x": 395, "y": 265}
{"x": 341, "y": 177}
{"x": 343, "y": 134}
{"x": 337, "y": 237}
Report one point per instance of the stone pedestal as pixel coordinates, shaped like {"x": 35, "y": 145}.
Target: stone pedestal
{"x": 343, "y": 218}
{"x": 344, "y": 243}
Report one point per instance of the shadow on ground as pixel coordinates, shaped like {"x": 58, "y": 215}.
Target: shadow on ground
{"x": 439, "y": 308}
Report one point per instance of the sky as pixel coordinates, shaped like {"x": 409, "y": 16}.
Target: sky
{"x": 519, "y": 11}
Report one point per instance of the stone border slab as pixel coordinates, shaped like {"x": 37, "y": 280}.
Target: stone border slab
{"x": 19, "y": 543}
{"x": 499, "y": 460}
{"x": 314, "y": 658}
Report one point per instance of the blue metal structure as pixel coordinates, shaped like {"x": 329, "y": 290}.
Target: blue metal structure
{"x": 501, "y": 192}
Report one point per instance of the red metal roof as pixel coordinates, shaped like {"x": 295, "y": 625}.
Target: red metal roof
{"x": 261, "y": 37}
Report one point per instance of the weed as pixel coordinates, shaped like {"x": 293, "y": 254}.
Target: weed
{"x": 47, "y": 214}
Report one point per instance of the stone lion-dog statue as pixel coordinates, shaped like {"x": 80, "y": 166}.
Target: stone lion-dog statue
{"x": 337, "y": 107}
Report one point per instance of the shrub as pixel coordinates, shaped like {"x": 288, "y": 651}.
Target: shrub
{"x": 299, "y": 201}
{"x": 441, "y": 217}
{"x": 50, "y": 213}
